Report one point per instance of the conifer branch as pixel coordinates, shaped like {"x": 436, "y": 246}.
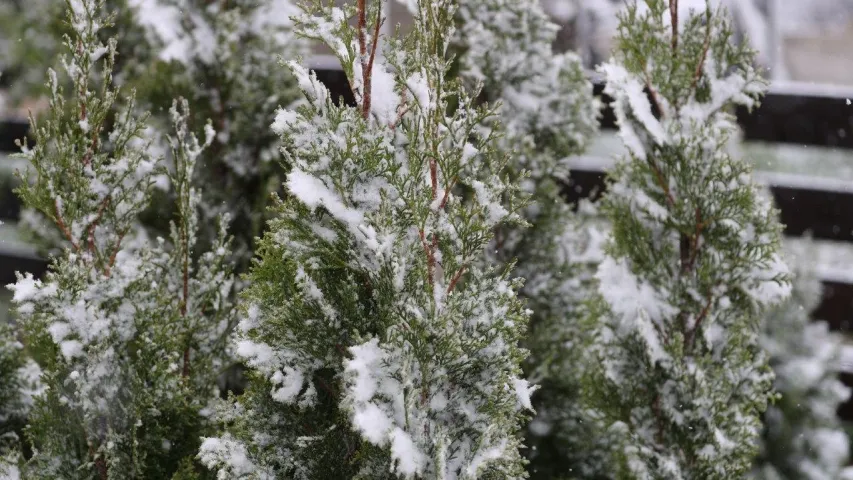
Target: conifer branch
{"x": 672, "y": 151}
{"x": 114, "y": 253}
{"x": 697, "y": 325}
{"x": 90, "y": 229}
{"x": 652, "y": 92}
{"x": 456, "y": 278}
{"x": 401, "y": 329}
{"x": 697, "y": 74}
{"x": 368, "y": 75}
{"x": 62, "y": 226}
{"x": 366, "y": 69}
{"x": 673, "y": 15}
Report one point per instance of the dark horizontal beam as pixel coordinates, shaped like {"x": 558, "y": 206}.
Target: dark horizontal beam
{"x": 788, "y": 115}
{"x": 825, "y": 214}
{"x": 796, "y": 117}
{"x": 800, "y": 119}
{"x": 11, "y": 263}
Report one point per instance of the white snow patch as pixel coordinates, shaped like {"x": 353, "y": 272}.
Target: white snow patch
{"x": 523, "y": 390}
{"x": 410, "y": 460}
{"x": 313, "y": 192}
{"x": 373, "y": 423}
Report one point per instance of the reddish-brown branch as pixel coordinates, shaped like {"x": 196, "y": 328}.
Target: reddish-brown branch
{"x": 456, "y": 278}
{"x": 446, "y": 196}
{"x": 673, "y": 15}
{"x": 430, "y": 253}
{"x": 433, "y": 176}
{"x": 664, "y": 185}
{"x": 95, "y": 139}
{"x": 691, "y": 335}
{"x": 114, "y": 253}
{"x": 499, "y": 239}
{"x": 652, "y": 92}
{"x": 697, "y": 74}
{"x": 362, "y": 52}
{"x": 432, "y": 248}
{"x": 368, "y": 72}
{"x": 186, "y": 288}
{"x": 100, "y": 464}
{"x": 101, "y": 467}
{"x": 63, "y": 227}
{"x": 90, "y": 229}
{"x": 696, "y": 236}
{"x": 656, "y": 410}
{"x": 328, "y": 388}
{"x": 186, "y": 370}
{"x": 362, "y": 24}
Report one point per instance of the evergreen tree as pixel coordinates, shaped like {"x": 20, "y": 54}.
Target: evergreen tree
{"x": 130, "y": 333}
{"x": 223, "y": 58}
{"x": 693, "y": 261}
{"x": 547, "y": 113}
{"x": 381, "y": 347}
{"x": 803, "y": 437}
{"x": 19, "y": 382}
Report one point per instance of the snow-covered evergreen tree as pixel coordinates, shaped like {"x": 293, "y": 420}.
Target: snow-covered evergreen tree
{"x": 130, "y": 333}
{"x": 381, "y": 346}
{"x": 223, "y": 58}
{"x": 547, "y": 113}
{"x": 19, "y": 382}
{"x": 803, "y": 437}
{"x": 693, "y": 261}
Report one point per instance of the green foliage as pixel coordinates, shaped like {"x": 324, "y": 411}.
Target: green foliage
{"x": 803, "y": 437}
{"x": 381, "y": 346}
{"x": 130, "y": 333}
{"x": 19, "y": 382}
{"x": 678, "y": 372}
{"x": 546, "y": 114}
{"x": 223, "y": 58}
